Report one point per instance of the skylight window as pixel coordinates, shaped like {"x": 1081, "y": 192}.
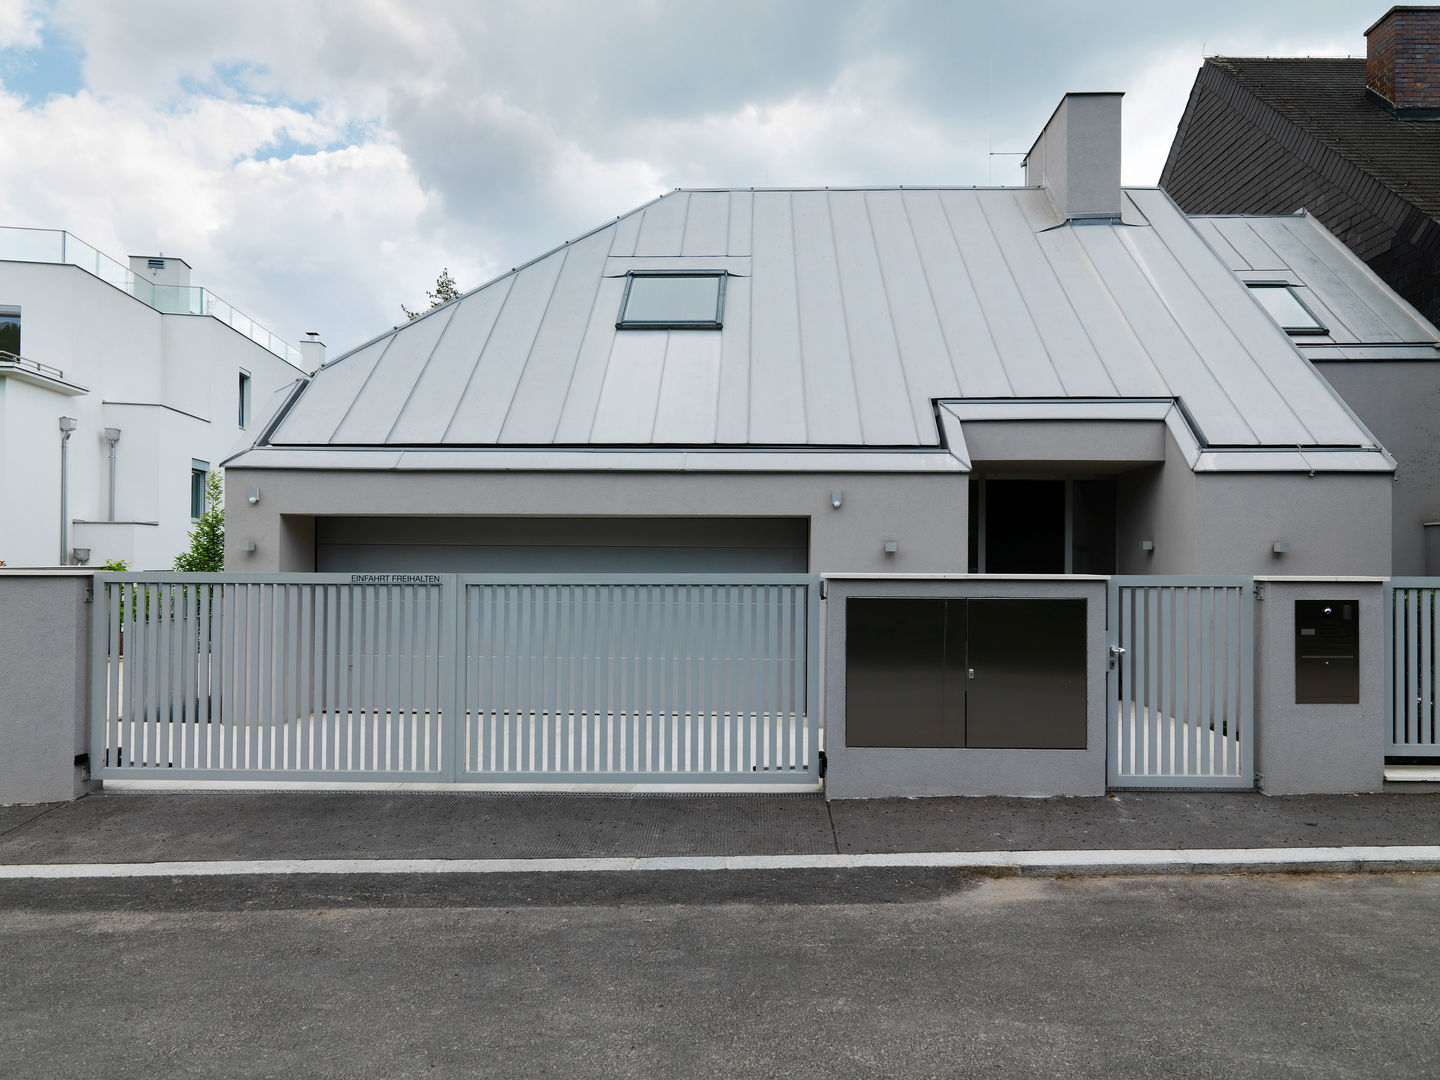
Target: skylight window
{"x": 1286, "y": 309}
{"x": 673, "y": 301}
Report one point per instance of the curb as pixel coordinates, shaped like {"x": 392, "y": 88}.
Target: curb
{"x": 1310, "y": 860}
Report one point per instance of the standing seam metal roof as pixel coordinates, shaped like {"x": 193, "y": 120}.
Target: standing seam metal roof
{"x": 849, "y": 313}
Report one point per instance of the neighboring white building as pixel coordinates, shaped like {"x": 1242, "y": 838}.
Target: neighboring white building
{"x": 156, "y": 380}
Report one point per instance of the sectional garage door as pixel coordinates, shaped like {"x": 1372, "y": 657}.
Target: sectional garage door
{"x": 562, "y": 545}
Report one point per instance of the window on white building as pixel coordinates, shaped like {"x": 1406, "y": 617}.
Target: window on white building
{"x": 198, "y": 471}
{"x": 244, "y": 399}
{"x": 10, "y": 330}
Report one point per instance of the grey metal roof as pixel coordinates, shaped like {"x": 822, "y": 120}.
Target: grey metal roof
{"x": 1350, "y": 300}
{"x": 849, "y": 313}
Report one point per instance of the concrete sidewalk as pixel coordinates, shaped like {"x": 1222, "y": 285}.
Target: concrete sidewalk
{"x": 478, "y": 831}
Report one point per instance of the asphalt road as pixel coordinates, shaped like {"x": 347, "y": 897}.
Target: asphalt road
{"x": 796, "y": 974}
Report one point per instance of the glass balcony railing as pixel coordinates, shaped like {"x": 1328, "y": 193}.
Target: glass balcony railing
{"x": 58, "y": 246}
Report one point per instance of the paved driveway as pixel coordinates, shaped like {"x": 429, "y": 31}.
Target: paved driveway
{"x": 798, "y": 974}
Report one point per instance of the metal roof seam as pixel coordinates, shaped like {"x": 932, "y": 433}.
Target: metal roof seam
{"x": 1069, "y": 233}
{"x": 1256, "y": 360}
{"x": 475, "y": 367}
{"x": 579, "y": 352}
{"x": 970, "y": 282}
{"x": 1191, "y": 358}
{"x": 1103, "y": 287}
{"x": 915, "y": 402}
{"x": 684, "y": 220}
{"x": 1363, "y": 268}
{"x": 930, "y": 292}
{"x": 530, "y": 349}
{"x": 364, "y": 383}
{"x": 1024, "y": 297}
{"x": 1205, "y": 299}
{"x": 400, "y": 412}
{"x": 799, "y": 322}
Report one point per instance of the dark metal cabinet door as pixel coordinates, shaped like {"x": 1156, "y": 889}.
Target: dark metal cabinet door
{"x": 1028, "y": 689}
{"x": 1327, "y": 652}
{"x": 895, "y": 684}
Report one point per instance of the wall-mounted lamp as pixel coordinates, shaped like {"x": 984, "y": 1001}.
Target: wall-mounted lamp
{"x": 254, "y": 496}
{"x": 1280, "y": 547}
{"x": 79, "y": 556}
{"x": 891, "y": 547}
{"x": 1147, "y": 545}
{"x": 248, "y": 546}
{"x": 836, "y": 498}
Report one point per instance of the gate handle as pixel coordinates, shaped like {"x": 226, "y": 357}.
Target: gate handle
{"x": 1116, "y": 651}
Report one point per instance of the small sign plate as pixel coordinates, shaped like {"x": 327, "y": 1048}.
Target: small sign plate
{"x": 394, "y": 579}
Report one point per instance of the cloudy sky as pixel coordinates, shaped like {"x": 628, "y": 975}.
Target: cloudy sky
{"x": 318, "y": 161}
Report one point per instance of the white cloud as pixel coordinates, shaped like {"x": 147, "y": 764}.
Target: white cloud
{"x": 20, "y": 24}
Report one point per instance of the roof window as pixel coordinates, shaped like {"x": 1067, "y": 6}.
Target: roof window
{"x": 1280, "y": 301}
{"x": 672, "y": 300}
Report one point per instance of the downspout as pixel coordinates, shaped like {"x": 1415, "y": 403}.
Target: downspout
{"x": 112, "y": 436}
{"x": 67, "y": 425}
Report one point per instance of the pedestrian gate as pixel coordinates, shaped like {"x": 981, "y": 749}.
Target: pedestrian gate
{"x": 1181, "y": 677}
{"x": 1412, "y": 649}
{"x": 456, "y": 678}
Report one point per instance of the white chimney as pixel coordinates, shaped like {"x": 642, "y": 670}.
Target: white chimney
{"x": 1076, "y": 159}
{"x": 312, "y": 351}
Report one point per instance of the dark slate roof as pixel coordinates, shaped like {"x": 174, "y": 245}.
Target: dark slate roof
{"x": 1327, "y": 99}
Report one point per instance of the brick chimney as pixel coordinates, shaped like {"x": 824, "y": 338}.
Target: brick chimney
{"x": 1402, "y": 60}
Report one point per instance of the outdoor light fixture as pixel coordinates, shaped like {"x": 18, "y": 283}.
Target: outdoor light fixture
{"x": 80, "y": 556}
{"x": 1280, "y": 547}
{"x": 1147, "y": 545}
{"x": 836, "y": 498}
{"x": 254, "y": 496}
{"x": 891, "y": 547}
{"x": 248, "y": 547}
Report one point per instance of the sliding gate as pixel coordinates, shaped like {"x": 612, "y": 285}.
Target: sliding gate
{"x": 1181, "y": 682}
{"x": 455, "y": 678}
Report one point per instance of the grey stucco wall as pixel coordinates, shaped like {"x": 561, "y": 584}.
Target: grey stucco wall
{"x": 1317, "y": 749}
{"x": 1228, "y": 523}
{"x": 926, "y": 515}
{"x": 44, "y": 685}
{"x": 875, "y": 772}
{"x": 1399, "y": 401}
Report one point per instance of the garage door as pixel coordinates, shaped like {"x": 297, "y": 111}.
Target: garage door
{"x": 562, "y": 545}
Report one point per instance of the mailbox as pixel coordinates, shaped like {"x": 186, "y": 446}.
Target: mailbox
{"x": 1327, "y": 652}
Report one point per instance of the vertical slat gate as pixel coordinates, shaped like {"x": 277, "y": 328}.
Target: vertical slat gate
{"x": 1181, "y": 698}
{"x": 618, "y": 679}
{"x": 202, "y": 676}
{"x": 678, "y": 679}
{"x": 1412, "y": 653}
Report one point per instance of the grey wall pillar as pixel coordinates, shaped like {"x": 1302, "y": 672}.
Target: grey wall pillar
{"x": 1318, "y": 749}
{"x": 45, "y": 679}
{"x": 878, "y": 772}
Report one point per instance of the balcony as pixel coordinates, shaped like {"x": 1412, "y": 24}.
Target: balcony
{"x": 58, "y": 246}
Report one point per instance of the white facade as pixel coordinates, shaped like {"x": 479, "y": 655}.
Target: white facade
{"x": 111, "y": 348}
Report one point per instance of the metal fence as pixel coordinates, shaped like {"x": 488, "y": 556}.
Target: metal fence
{"x": 428, "y": 677}
{"x": 1411, "y": 654}
{"x": 1181, "y": 698}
